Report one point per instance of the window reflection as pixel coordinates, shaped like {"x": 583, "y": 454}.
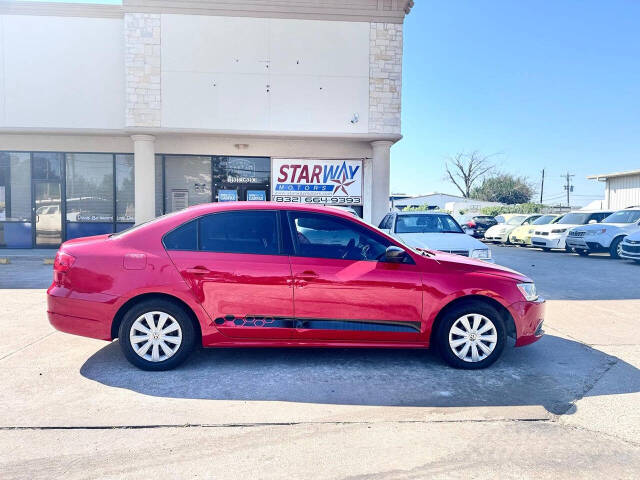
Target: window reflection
{"x": 125, "y": 206}
{"x": 89, "y": 187}
{"x": 187, "y": 181}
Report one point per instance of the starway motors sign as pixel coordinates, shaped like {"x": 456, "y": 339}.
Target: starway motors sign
{"x": 324, "y": 182}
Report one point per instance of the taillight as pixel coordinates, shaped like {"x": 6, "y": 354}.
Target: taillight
{"x": 471, "y": 224}
{"x": 63, "y": 262}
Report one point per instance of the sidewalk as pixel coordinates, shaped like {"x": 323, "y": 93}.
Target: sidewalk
{"x": 27, "y": 253}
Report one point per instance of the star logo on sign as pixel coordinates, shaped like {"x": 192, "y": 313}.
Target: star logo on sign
{"x": 341, "y": 184}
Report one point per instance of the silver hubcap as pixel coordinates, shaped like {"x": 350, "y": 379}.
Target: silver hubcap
{"x": 473, "y": 337}
{"x": 155, "y": 336}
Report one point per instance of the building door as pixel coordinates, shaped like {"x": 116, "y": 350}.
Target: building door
{"x": 47, "y": 206}
{"x": 47, "y": 176}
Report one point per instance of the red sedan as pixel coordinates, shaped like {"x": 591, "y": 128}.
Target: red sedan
{"x": 258, "y": 274}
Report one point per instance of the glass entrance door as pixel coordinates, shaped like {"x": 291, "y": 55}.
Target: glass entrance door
{"x": 47, "y": 205}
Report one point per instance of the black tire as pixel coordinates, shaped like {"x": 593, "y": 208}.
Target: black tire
{"x": 546, "y": 249}
{"x": 569, "y": 249}
{"x": 613, "y": 249}
{"x": 582, "y": 253}
{"x": 181, "y": 317}
{"x": 448, "y": 321}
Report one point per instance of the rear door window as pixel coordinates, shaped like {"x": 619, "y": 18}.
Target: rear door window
{"x": 247, "y": 231}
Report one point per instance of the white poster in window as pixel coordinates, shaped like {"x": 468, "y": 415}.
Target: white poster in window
{"x": 324, "y": 182}
{"x": 179, "y": 199}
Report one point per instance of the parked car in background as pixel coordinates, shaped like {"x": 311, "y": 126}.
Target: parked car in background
{"x": 263, "y": 274}
{"x": 630, "y": 247}
{"x": 522, "y": 235}
{"x": 433, "y": 231}
{"x": 500, "y": 233}
{"x": 606, "y": 236}
{"x": 552, "y": 236}
{"x": 477, "y": 225}
{"x": 504, "y": 217}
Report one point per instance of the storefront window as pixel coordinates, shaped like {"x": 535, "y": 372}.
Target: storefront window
{"x": 241, "y": 178}
{"x": 15, "y": 200}
{"x": 125, "y": 206}
{"x": 89, "y": 194}
{"x": 187, "y": 181}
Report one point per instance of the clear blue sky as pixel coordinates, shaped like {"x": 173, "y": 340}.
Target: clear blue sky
{"x": 552, "y": 84}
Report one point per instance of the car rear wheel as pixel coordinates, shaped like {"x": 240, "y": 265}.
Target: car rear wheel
{"x": 471, "y": 336}
{"x": 616, "y": 249}
{"x": 582, "y": 253}
{"x": 156, "y": 335}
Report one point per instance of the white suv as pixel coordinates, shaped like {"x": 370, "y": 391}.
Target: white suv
{"x": 606, "y": 236}
{"x": 554, "y": 235}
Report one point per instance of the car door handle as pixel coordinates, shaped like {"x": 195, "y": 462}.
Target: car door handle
{"x": 307, "y": 275}
{"x": 198, "y": 271}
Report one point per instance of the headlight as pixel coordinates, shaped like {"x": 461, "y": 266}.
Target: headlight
{"x": 481, "y": 253}
{"x": 596, "y": 232}
{"x": 559, "y": 230}
{"x": 530, "y": 231}
{"x": 528, "y": 291}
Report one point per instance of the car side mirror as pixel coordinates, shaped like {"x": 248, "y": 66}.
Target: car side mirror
{"x": 395, "y": 254}
{"x": 593, "y": 220}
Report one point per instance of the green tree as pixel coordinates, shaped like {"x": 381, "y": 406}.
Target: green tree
{"x": 504, "y": 188}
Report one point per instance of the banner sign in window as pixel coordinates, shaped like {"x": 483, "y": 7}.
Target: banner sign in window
{"x": 256, "y": 195}
{"x": 324, "y": 182}
{"x": 227, "y": 195}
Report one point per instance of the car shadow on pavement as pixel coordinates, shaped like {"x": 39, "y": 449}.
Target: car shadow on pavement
{"x": 553, "y": 373}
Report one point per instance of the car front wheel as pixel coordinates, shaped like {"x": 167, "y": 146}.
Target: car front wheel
{"x": 156, "y": 335}
{"x": 616, "y": 249}
{"x": 471, "y": 336}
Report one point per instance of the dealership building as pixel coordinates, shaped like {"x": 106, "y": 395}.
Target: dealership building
{"x": 111, "y": 115}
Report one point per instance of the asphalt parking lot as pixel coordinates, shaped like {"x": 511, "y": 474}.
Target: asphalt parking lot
{"x": 567, "y": 405}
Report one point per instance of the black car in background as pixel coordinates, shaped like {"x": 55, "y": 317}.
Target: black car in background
{"x": 476, "y": 226}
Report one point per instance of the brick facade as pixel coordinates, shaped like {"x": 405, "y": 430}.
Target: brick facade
{"x": 142, "y": 69}
{"x": 385, "y": 77}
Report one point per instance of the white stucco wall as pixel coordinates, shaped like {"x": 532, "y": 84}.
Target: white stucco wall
{"x": 268, "y": 74}
{"x": 61, "y": 72}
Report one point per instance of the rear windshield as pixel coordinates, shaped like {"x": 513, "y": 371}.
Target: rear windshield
{"x": 623, "y": 216}
{"x": 431, "y": 223}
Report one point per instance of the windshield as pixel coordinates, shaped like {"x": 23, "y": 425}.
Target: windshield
{"x": 517, "y": 220}
{"x": 623, "y": 216}
{"x": 545, "y": 219}
{"x": 427, "y": 223}
{"x": 575, "y": 218}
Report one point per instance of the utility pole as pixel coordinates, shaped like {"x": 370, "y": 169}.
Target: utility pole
{"x": 568, "y": 187}
{"x": 542, "y": 187}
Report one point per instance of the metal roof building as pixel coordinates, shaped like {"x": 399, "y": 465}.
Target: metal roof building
{"x": 622, "y": 189}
